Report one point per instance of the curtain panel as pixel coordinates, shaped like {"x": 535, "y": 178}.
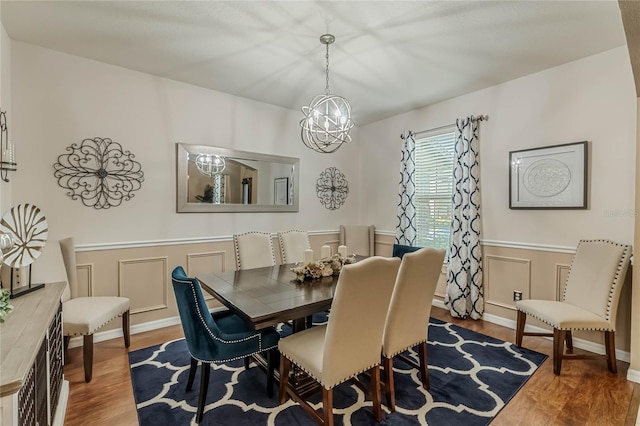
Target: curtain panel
{"x": 465, "y": 294}
{"x": 405, "y": 229}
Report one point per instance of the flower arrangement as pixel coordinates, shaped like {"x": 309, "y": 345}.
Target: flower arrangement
{"x": 5, "y": 307}
{"x": 324, "y": 267}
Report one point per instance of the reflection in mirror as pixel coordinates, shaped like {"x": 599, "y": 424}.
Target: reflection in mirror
{"x": 212, "y": 179}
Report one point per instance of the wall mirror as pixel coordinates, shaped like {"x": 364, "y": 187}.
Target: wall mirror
{"x": 213, "y": 179}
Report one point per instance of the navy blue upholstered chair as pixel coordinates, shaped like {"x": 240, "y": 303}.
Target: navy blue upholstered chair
{"x": 216, "y": 338}
{"x": 400, "y": 250}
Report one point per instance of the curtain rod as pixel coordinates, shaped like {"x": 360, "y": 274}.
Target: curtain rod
{"x": 479, "y": 118}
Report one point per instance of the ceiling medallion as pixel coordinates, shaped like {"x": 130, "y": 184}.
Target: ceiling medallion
{"x": 327, "y": 118}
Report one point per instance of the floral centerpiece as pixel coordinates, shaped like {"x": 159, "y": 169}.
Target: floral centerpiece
{"x": 324, "y": 267}
{"x": 5, "y": 307}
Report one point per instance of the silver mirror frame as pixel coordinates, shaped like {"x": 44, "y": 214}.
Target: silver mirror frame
{"x": 182, "y": 180}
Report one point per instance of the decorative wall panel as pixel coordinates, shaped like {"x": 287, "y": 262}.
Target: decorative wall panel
{"x": 145, "y": 282}
{"x": 84, "y": 274}
{"x": 503, "y": 276}
{"x": 205, "y": 263}
{"x": 562, "y": 272}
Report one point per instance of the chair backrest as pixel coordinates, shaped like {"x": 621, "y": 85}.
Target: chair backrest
{"x": 68, "y": 249}
{"x": 410, "y": 306}
{"x": 596, "y": 276}
{"x": 359, "y": 239}
{"x": 292, "y": 245}
{"x": 200, "y": 330}
{"x": 354, "y": 332}
{"x": 254, "y": 250}
{"x": 400, "y": 250}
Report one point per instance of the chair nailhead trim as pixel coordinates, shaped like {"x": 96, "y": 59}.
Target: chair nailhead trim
{"x": 204, "y": 323}
{"x": 94, "y": 330}
{"x": 320, "y": 381}
{"x": 281, "y": 243}
{"x": 616, "y": 279}
{"x": 402, "y": 350}
{"x": 237, "y": 246}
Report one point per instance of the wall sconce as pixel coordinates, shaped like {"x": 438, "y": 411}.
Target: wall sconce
{"x": 7, "y": 149}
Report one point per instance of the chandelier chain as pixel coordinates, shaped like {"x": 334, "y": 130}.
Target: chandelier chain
{"x": 326, "y": 88}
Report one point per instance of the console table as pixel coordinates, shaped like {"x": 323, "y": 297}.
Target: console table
{"x": 32, "y": 386}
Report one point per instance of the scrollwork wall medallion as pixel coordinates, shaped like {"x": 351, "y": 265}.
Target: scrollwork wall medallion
{"x": 332, "y": 188}
{"x": 99, "y": 173}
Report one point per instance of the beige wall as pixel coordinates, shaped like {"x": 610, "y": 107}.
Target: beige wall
{"x": 143, "y": 274}
{"x": 590, "y": 99}
{"x": 60, "y": 99}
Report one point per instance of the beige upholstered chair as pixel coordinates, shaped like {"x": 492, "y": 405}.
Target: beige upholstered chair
{"x": 254, "y": 250}
{"x": 590, "y": 301}
{"x": 408, "y": 316}
{"x": 82, "y": 316}
{"x": 292, "y": 245}
{"x": 359, "y": 239}
{"x": 350, "y": 342}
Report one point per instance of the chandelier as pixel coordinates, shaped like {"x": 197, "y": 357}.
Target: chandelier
{"x": 210, "y": 165}
{"x": 327, "y": 118}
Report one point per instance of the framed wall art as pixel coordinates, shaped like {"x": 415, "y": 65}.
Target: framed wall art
{"x": 550, "y": 177}
{"x": 281, "y": 191}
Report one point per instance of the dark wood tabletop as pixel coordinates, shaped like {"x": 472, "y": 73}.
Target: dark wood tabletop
{"x": 271, "y": 295}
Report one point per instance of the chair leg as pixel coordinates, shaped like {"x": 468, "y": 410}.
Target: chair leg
{"x": 521, "y": 319}
{"x": 271, "y": 358}
{"x": 204, "y": 386}
{"x": 424, "y": 370}
{"x": 327, "y": 406}
{"x": 610, "y": 346}
{"x": 558, "y": 350}
{"x": 126, "y": 329}
{"x": 66, "y": 340}
{"x": 389, "y": 387}
{"x": 285, "y": 366}
{"x": 247, "y": 362}
{"x": 192, "y": 373}
{"x": 569, "y": 341}
{"x": 87, "y": 353}
{"x": 375, "y": 393}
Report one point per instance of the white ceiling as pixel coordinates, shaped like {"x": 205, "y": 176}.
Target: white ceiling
{"x": 389, "y": 56}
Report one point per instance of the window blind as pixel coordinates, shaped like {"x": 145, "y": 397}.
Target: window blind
{"x": 434, "y": 157}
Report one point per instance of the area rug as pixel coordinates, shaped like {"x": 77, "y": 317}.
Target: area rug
{"x": 473, "y": 376}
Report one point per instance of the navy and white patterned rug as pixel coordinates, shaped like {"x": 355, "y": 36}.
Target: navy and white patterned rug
{"x": 472, "y": 377}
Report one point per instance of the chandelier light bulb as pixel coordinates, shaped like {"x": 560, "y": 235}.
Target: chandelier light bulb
{"x": 210, "y": 165}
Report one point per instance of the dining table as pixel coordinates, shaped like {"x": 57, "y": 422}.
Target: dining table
{"x": 267, "y": 296}
{"x": 271, "y": 295}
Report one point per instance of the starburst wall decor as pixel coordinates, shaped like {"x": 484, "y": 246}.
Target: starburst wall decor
{"x": 332, "y": 188}
{"x": 99, "y": 172}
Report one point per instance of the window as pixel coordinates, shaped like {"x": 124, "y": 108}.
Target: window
{"x": 434, "y": 157}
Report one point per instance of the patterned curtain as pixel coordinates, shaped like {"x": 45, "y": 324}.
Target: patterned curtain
{"x": 405, "y": 229}
{"x": 465, "y": 295}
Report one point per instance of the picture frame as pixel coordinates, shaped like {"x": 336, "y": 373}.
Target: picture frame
{"x": 281, "y": 191}
{"x": 549, "y": 177}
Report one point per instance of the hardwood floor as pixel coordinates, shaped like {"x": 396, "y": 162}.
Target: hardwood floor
{"x": 585, "y": 394}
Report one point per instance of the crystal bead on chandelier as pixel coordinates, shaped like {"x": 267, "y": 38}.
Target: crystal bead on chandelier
{"x": 210, "y": 165}
{"x": 327, "y": 117}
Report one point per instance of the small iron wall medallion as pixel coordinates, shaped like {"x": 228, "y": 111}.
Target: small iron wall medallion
{"x": 332, "y": 188}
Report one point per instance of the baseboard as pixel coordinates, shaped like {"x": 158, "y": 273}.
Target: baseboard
{"x": 578, "y": 343}
{"x": 633, "y": 376}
